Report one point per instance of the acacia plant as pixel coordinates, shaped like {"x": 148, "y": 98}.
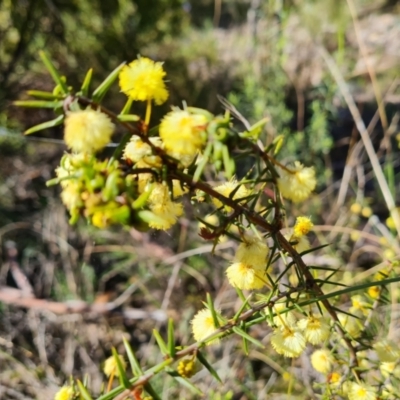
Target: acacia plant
{"x": 193, "y": 154}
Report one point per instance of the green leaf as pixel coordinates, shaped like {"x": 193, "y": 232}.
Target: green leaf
{"x": 213, "y": 312}
{"x": 100, "y": 92}
{"x": 246, "y": 336}
{"x": 186, "y": 383}
{"x": 53, "y": 72}
{"x": 203, "y": 162}
{"x": 150, "y": 390}
{"x": 123, "y": 379}
{"x": 38, "y": 104}
{"x": 210, "y": 368}
{"x": 45, "y": 125}
{"x": 128, "y": 118}
{"x": 86, "y": 82}
{"x": 160, "y": 341}
{"x": 133, "y": 361}
{"x": 127, "y": 107}
{"x": 83, "y": 391}
{"x": 44, "y": 95}
{"x": 171, "y": 338}
{"x": 243, "y": 306}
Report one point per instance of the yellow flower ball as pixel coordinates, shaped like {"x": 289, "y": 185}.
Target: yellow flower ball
{"x": 110, "y": 366}
{"x": 296, "y": 183}
{"x": 245, "y": 277}
{"x": 203, "y": 325}
{"x": 387, "y": 350}
{"x": 137, "y": 150}
{"x": 288, "y": 341}
{"x": 303, "y": 226}
{"x": 362, "y": 391}
{"x": 87, "y": 131}
{"x": 142, "y": 80}
{"x": 65, "y": 393}
{"x": 183, "y": 134}
{"x": 322, "y": 361}
{"x": 315, "y": 329}
{"x": 226, "y": 189}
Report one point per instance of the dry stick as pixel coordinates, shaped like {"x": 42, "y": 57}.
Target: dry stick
{"x": 364, "y": 136}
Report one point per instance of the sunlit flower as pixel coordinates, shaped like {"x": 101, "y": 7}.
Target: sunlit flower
{"x": 300, "y": 244}
{"x": 87, "y": 131}
{"x": 362, "y": 391}
{"x": 65, "y": 393}
{"x": 302, "y": 227}
{"x": 110, "y": 366}
{"x": 282, "y": 319}
{"x": 203, "y": 325}
{"x": 142, "y": 80}
{"x": 374, "y": 291}
{"x": 252, "y": 251}
{"x": 166, "y": 211}
{"x": 226, "y": 189}
{"x": 288, "y": 341}
{"x": 390, "y": 368}
{"x": 245, "y": 277}
{"x": 71, "y": 195}
{"x": 137, "y": 150}
{"x": 183, "y": 134}
{"x": 387, "y": 350}
{"x": 352, "y": 325}
{"x": 186, "y": 367}
{"x": 297, "y": 184}
{"x": 322, "y": 360}
{"x": 334, "y": 379}
{"x": 315, "y": 329}
{"x": 177, "y": 189}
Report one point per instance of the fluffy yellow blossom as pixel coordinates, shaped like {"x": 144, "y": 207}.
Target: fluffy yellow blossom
{"x": 315, "y": 329}
{"x": 166, "y": 211}
{"x": 177, "y": 189}
{"x": 252, "y": 251}
{"x": 353, "y": 326}
{"x": 183, "y": 134}
{"x": 297, "y": 184}
{"x": 387, "y": 350}
{"x": 282, "y": 319}
{"x": 390, "y": 368}
{"x": 142, "y": 80}
{"x": 186, "y": 367}
{"x": 71, "y": 196}
{"x": 322, "y": 361}
{"x": 203, "y": 325}
{"x": 245, "y": 277}
{"x": 302, "y": 227}
{"x": 288, "y": 341}
{"x": 110, "y": 366}
{"x": 87, "y": 131}
{"x": 366, "y": 212}
{"x": 355, "y": 208}
{"x": 374, "y": 291}
{"x": 334, "y": 379}
{"x": 226, "y": 189}
{"x": 362, "y": 391}
{"x": 65, "y": 393}
{"x": 137, "y": 150}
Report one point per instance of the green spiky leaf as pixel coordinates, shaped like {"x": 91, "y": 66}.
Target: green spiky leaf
{"x": 53, "y": 72}
{"x": 123, "y": 379}
{"x": 83, "y": 391}
{"x": 133, "y": 361}
{"x": 210, "y": 368}
{"x": 101, "y": 91}
{"x": 45, "y": 125}
{"x": 171, "y": 338}
{"x": 86, "y": 82}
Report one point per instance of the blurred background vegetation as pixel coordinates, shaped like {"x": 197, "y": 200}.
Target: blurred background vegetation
{"x": 263, "y": 57}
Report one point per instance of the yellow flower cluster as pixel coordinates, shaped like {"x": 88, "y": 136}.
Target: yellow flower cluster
{"x": 186, "y": 368}
{"x": 248, "y": 270}
{"x": 315, "y": 329}
{"x": 288, "y": 341}
{"x": 110, "y": 366}
{"x": 322, "y": 361}
{"x": 142, "y": 80}
{"x": 362, "y": 391}
{"x": 166, "y": 211}
{"x": 138, "y": 151}
{"x": 203, "y": 325}
{"x": 297, "y": 236}
{"x": 65, "y": 393}
{"x": 87, "y": 131}
{"x": 226, "y": 189}
{"x": 296, "y": 183}
{"x": 183, "y": 134}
